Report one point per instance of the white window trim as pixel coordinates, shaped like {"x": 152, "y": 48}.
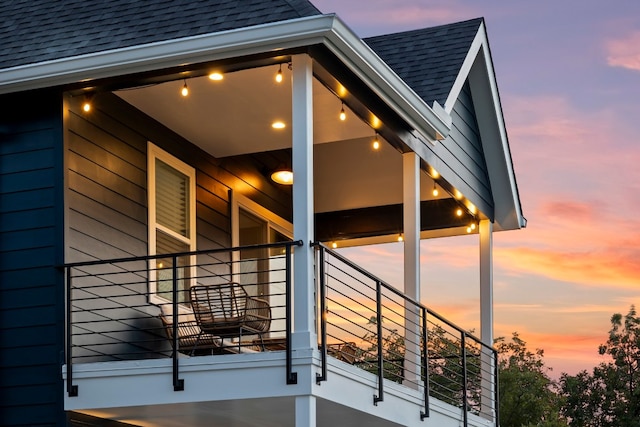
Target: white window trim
{"x": 238, "y": 201}
{"x": 154, "y": 152}
{"x": 274, "y": 221}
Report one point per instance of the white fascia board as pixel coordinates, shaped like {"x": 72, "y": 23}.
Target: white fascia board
{"x": 480, "y": 46}
{"x": 478, "y": 42}
{"x": 432, "y": 123}
{"x": 508, "y": 160}
{"x": 165, "y": 54}
{"x": 322, "y": 29}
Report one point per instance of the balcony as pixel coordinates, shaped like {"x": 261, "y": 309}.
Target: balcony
{"x": 136, "y": 352}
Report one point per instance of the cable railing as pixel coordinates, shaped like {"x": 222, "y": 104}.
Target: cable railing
{"x": 399, "y": 340}
{"x": 162, "y": 306}
{"x": 148, "y": 307}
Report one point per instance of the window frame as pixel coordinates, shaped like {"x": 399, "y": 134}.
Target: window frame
{"x": 156, "y": 153}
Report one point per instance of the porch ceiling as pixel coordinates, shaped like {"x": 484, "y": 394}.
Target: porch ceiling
{"x": 233, "y": 117}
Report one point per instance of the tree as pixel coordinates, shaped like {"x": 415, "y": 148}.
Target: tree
{"x": 528, "y": 395}
{"x": 610, "y": 396}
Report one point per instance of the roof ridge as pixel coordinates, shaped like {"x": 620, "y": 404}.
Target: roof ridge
{"x": 425, "y": 29}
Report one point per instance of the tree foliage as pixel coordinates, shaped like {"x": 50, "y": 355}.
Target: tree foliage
{"x": 528, "y": 395}
{"x": 610, "y": 395}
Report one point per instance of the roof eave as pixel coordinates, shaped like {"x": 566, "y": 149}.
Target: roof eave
{"x": 371, "y": 69}
{"x": 295, "y": 33}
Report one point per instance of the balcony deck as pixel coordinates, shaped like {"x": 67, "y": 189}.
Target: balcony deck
{"x": 121, "y": 364}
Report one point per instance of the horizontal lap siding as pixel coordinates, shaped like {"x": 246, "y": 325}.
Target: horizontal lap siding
{"x": 108, "y": 182}
{"x": 107, "y": 195}
{"x": 31, "y": 288}
{"x": 107, "y": 216}
{"x": 461, "y": 152}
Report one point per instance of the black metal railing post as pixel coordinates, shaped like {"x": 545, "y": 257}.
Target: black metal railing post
{"x": 463, "y": 354}
{"x": 425, "y": 364}
{"x": 323, "y": 315}
{"x": 496, "y": 403}
{"x": 292, "y": 377}
{"x": 72, "y": 390}
{"x": 380, "y": 396}
{"x": 178, "y": 383}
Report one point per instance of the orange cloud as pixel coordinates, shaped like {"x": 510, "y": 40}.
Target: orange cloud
{"x": 625, "y": 52}
{"x": 595, "y": 267}
{"x": 564, "y": 353}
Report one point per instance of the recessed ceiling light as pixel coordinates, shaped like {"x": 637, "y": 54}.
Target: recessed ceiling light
{"x": 278, "y": 125}
{"x": 216, "y": 76}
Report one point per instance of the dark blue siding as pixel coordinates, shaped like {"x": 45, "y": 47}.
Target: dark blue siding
{"x": 31, "y": 288}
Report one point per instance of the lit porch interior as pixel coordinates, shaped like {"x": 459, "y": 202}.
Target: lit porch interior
{"x": 357, "y": 199}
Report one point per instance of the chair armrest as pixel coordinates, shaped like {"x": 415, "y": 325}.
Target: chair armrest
{"x": 258, "y": 314}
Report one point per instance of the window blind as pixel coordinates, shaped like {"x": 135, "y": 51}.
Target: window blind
{"x": 172, "y": 198}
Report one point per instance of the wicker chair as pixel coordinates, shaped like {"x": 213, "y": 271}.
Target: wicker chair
{"x": 345, "y": 351}
{"x": 191, "y": 339}
{"x": 227, "y": 311}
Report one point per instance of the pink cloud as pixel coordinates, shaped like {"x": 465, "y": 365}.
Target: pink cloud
{"x": 624, "y": 52}
{"x": 578, "y": 176}
{"x": 577, "y": 211}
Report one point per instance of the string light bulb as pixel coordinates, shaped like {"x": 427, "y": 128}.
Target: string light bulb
{"x": 459, "y": 212}
{"x": 185, "y": 89}
{"x": 376, "y": 143}
{"x": 86, "y": 105}
{"x": 343, "y": 115}
{"x": 279, "y": 75}
{"x": 473, "y": 226}
{"x": 435, "y": 191}
{"x": 400, "y": 238}
{"x": 334, "y": 245}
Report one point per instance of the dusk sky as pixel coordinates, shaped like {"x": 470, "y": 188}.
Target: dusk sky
{"x": 569, "y": 79}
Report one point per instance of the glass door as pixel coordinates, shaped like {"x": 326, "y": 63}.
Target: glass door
{"x": 262, "y": 271}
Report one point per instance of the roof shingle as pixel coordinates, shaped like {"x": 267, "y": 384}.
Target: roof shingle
{"x": 41, "y": 30}
{"x": 429, "y": 59}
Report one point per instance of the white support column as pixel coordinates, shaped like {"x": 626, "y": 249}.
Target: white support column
{"x": 304, "y": 335}
{"x": 486, "y": 318}
{"x": 411, "y": 229}
{"x": 305, "y": 411}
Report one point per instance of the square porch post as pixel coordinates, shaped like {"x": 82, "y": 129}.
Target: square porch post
{"x": 304, "y": 336}
{"x": 489, "y": 405}
{"x": 411, "y": 228}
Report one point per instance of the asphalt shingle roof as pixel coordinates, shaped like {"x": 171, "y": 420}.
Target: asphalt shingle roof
{"x": 429, "y": 59}
{"x": 41, "y": 30}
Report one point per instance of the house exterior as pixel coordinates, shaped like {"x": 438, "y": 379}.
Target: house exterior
{"x": 120, "y": 194}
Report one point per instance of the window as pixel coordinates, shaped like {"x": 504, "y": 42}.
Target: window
{"x": 171, "y": 192}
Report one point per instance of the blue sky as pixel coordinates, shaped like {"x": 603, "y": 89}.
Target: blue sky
{"x": 569, "y": 79}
